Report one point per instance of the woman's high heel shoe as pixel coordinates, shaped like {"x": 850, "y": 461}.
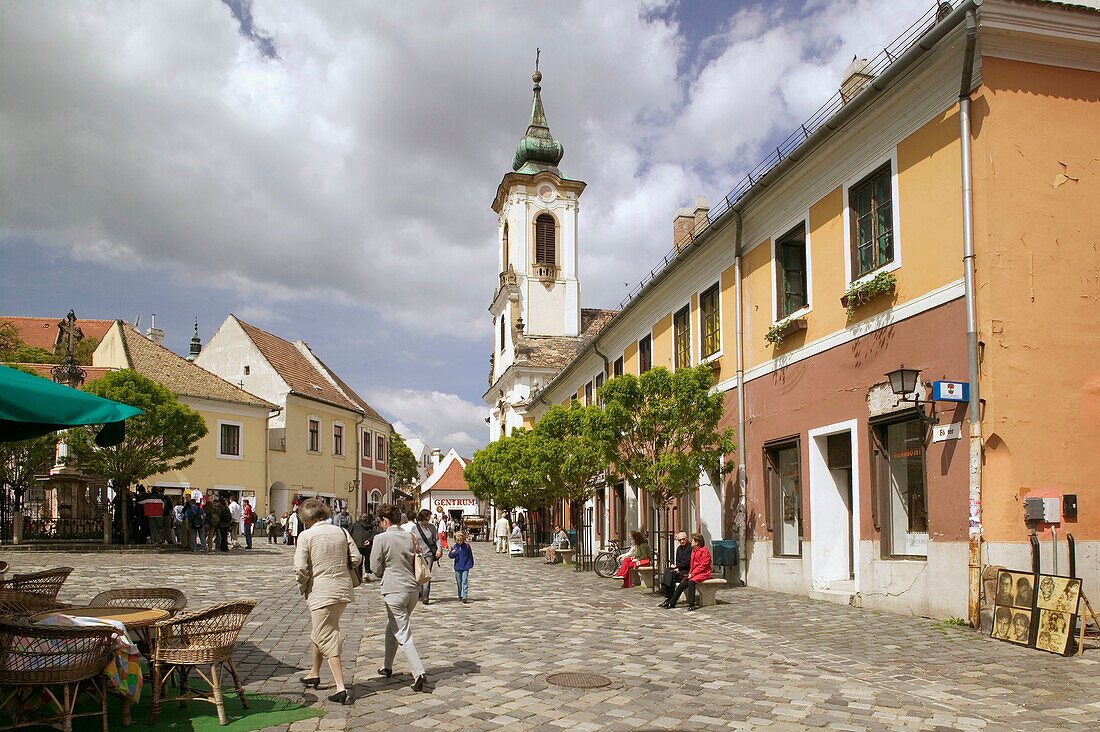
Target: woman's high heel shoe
{"x": 418, "y": 684}
{"x": 387, "y": 672}
{"x": 314, "y": 682}
{"x": 341, "y": 697}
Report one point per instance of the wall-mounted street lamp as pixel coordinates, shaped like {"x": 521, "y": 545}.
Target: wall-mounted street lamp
{"x": 903, "y": 382}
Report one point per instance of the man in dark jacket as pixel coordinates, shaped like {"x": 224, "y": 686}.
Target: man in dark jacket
{"x": 680, "y": 566}
{"x": 362, "y": 533}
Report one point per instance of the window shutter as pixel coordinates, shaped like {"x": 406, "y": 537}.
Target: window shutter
{"x": 545, "y": 251}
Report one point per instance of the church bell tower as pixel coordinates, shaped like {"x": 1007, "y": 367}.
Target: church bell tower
{"x": 537, "y": 208}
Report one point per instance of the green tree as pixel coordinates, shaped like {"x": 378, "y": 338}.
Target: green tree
{"x": 661, "y": 431}
{"x": 9, "y": 340}
{"x": 403, "y": 465}
{"x": 509, "y": 472}
{"x": 163, "y": 437}
{"x": 34, "y": 354}
{"x": 569, "y": 447}
{"x": 82, "y": 351}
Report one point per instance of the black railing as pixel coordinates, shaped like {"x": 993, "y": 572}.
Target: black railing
{"x": 62, "y": 529}
{"x": 875, "y": 67}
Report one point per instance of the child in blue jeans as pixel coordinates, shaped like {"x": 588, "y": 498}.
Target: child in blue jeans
{"x": 464, "y": 560}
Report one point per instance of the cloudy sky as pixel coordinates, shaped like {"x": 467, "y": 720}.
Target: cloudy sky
{"x": 325, "y": 170}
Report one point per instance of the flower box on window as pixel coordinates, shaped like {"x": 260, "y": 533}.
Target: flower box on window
{"x": 784, "y": 328}
{"x": 864, "y": 292}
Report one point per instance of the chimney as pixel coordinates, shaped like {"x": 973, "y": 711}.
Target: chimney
{"x": 856, "y": 76}
{"x": 701, "y": 211}
{"x": 196, "y": 344}
{"x": 155, "y": 334}
{"x": 682, "y": 227}
{"x": 435, "y": 458}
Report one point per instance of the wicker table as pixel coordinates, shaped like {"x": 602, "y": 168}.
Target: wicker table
{"x": 136, "y": 619}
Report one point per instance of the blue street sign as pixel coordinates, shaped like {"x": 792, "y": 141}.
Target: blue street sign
{"x": 950, "y": 391}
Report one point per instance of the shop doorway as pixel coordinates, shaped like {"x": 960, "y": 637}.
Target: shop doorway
{"x": 834, "y": 508}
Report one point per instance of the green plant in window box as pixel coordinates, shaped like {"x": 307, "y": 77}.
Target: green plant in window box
{"x": 862, "y": 292}
{"x": 783, "y": 328}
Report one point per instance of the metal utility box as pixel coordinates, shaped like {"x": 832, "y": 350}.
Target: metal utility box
{"x": 1047, "y": 510}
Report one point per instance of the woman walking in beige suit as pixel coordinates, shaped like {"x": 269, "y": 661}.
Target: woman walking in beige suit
{"x": 324, "y": 560}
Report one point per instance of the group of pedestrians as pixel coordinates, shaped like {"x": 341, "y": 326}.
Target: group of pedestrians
{"x": 331, "y": 560}
{"x": 195, "y": 521}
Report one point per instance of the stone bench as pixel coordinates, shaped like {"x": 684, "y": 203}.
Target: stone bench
{"x": 705, "y": 591}
{"x": 561, "y": 556}
{"x": 645, "y": 576}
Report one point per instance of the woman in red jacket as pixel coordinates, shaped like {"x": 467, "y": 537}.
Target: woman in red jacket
{"x": 698, "y": 572}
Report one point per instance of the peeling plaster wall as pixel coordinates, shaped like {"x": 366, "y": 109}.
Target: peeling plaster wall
{"x": 1036, "y": 192}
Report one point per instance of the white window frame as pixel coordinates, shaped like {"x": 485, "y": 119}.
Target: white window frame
{"x": 699, "y": 345}
{"x": 895, "y": 211}
{"x": 804, "y": 219}
{"x": 240, "y": 439}
{"x": 343, "y": 439}
{"x": 320, "y": 444}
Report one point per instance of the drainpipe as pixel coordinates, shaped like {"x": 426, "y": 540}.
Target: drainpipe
{"x": 975, "y": 415}
{"x": 740, "y": 514}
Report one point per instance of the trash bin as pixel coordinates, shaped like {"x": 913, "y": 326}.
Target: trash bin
{"x": 572, "y": 534}
{"x": 725, "y": 554}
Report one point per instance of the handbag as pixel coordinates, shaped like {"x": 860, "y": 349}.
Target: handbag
{"x": 356, "y": 577}
{"x": 421, "y": 573}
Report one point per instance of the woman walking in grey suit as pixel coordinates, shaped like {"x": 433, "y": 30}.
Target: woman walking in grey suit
{"x": 392, "y": 558}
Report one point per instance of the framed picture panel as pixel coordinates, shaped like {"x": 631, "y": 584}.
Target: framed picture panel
{"x": 1036, "y": 610}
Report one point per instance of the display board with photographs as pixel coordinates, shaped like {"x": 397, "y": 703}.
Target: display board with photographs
{"x": 1035, "y": 610}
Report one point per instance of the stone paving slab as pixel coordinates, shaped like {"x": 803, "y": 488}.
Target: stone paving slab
{"x": 755, "y": 660}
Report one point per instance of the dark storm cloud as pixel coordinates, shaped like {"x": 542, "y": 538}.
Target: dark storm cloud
{"x": 242, "y": 11}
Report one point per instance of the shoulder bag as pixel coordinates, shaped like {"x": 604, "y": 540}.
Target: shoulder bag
{"x": 356, "y": 577}
{"x": 421, "y": 573}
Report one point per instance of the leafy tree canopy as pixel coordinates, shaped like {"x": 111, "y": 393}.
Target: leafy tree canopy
{"x": 403, "y": 465}
{"x": 567, "y": 445}
{"x": 163, "y": 437}
{"x": 661, "y": 430}
{"x": 509, "y": 472}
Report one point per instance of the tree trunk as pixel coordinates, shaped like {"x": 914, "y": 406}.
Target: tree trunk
{"x": 125, "y": 505}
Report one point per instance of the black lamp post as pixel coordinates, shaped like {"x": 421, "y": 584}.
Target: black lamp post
{"x": 903, "y": 382}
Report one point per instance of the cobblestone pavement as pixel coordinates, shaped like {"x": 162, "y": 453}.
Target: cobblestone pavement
{"x": 757, "y": 659}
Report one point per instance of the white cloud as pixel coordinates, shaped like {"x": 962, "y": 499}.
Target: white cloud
{"x": 441, "y": 420}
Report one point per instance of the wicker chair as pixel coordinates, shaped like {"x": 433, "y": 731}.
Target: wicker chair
{"x": 154, "y": 598}
{"x": 199, "y": 639}
{"x": 16, "y": 604}
{"x": 45, "y": 584}
{"x": 37, "y": 659}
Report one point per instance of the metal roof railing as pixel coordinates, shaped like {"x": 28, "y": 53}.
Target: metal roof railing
{"x": 877, "y": 65}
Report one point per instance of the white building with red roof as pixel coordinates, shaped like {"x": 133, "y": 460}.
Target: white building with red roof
{"x": 446, "y": 488}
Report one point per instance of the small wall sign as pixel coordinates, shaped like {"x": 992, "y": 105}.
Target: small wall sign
{"x": 950, "y": 391}
{"x": 943, "y": 432}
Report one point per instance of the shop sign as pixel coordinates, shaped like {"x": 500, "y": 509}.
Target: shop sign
{"x": 943, "y": 432}
{"x": 455, "y": 502}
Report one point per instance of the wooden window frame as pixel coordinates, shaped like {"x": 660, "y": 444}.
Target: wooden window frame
{"x": 795, "y": 239}
{"x": 313, "y": 435}
{"x": 546, "y": 240}
{"x": 380, "y": 449}
{"x": 869, "y": 182}
{"x": 645, "y": 354}
{"x": 710, "y": 322}
{"x": 366, "y": 445}
{"x": 238, "y": 454}
{"x": 338, "y": 439}
{"x": 681, "y": 337}
{"x": 618, "y": 367}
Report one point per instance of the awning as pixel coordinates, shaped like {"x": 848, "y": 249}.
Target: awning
{"x": 31, "y": 406}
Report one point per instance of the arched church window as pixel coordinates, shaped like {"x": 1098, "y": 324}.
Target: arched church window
{"x": 502, "y": 331}
{"x": 504, "y": 267}
{"x": 545, "y": 245}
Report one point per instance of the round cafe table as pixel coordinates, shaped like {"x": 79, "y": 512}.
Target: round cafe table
{"x": 139, "y": 620}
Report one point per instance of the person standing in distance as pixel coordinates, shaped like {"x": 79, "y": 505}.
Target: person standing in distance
{"x": 392, "y": 558}
{"x": 502, "y": 529}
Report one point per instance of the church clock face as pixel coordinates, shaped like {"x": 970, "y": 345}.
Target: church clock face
{"x": 546, "y": 193}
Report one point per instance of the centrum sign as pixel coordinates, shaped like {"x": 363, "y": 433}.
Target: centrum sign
{"x": 455, "y": 502}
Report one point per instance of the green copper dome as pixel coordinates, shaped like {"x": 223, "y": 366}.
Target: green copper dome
{"x": 538, "y": 150}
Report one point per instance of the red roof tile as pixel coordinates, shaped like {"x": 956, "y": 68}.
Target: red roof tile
{"x": 452, "y": 479}
{"x": 42, "y": 332}
{"x": 93, "y": 372}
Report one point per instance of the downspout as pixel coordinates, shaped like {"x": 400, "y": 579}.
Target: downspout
{"x": 975, "y": 415}
{"x": 359, "y": 507}
{"x": 740, "y": 512}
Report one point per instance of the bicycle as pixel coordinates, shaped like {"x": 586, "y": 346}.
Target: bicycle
{"x": 606, "y": 561}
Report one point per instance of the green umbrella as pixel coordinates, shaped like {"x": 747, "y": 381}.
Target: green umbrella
{"x": 31, "y": 406}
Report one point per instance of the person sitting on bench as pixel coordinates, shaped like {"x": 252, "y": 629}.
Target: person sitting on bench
{"x": 561, "y": 541}
{"x": 699, "y": 571}
{"x": 681, "y": 567}
{"x": 636, "y": 556}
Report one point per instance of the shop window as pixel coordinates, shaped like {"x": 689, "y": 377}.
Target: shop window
{"x": 681, "y": 334}
{"x": 709, "y": 322}
{"x": 785, "y": 497}
{"x": 872, "y": 220}
{"x": 645, "y": 354}
{"x": 902, "y": 491}
{"x": 790, "y": 272}
{"x": 314, "y": 435}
